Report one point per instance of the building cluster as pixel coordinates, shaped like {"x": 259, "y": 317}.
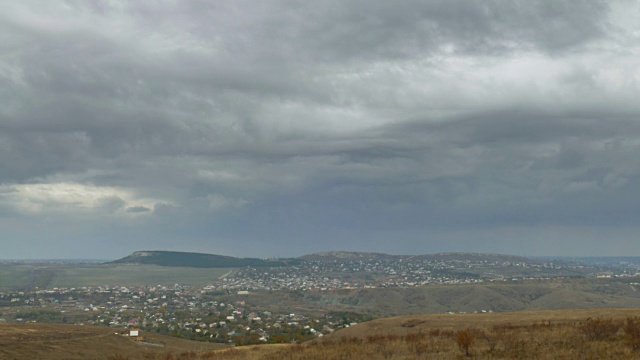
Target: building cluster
{"x": 216, "y": 312}
{"x": 175, "y": 310}
{"x": 380, "y": 273}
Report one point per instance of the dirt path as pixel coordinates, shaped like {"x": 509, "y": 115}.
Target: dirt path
{"x": 225, "y": 274}
{"x": 33, "y": 278}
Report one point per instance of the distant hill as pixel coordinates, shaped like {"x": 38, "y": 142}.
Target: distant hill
{"x": 202, "y": 260}
{"x": 454, "y": 256}
{"x": 199, "y": 260}
{"x": 463, "y": 256}
{"x": 349, "y": 255}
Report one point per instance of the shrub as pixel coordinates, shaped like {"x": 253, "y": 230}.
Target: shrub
{"x": 420, "y": 348}
{"x": 412, "y": 323}
{"x": 491, "y": 339}
{"x": 447, "y": 333}
{"x": 375, "y": 338}
{"x": 465, "y": 339}
{"x": 599, "y": 329}
{"x": 118, "y": 357}
{"x": 414, "y": 337}
{"x": 187, "y": 355}
{"x": 632, "y": 333}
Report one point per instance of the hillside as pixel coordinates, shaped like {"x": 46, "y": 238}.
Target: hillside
{"x": 198, "y": 260}
{"x": 403, "y": 325}
{"x": 54, "y": 342}
{"x": 455, "y": 256}
{"x": 442, "y": 299}
{"x": 566, "y": 334}
{"x": 349, "y": 256}
{"x": 475, "y": 257}
{"x": 202, "y": 260}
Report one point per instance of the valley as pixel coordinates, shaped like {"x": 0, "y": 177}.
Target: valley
{"x": 314, "y": 297}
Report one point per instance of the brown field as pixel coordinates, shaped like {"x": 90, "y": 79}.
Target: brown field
{"x": 53, "y": 341}
{"x": 555, "y": 334}
{"x": 558, "y": 334}
{"x": 403, "y": 325}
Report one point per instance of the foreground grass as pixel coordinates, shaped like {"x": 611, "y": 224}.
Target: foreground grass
{"x": 73, "y": 342}
{"x": 566, "y": 334}
{"x": 591, "y": 338}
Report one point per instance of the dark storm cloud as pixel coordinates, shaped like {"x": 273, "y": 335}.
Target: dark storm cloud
{"x": 405, "y": 29}
{"x": 105, "y": 86}
{"x": 365, "y": 30}
{"x": 273, "y": 123}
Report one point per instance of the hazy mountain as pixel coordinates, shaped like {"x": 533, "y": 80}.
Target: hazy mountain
{"x": 201, "y": 260}
{"x": 455, "y": 256}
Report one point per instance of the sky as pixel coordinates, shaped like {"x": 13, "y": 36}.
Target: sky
{"x": 281, "y": 128}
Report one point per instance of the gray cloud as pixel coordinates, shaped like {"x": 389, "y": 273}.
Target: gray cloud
{"x": 137, "y": 209}
{"x": 311, "y": 126}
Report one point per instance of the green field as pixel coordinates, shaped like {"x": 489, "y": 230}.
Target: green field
{"x": 13, "y": 277}
{"x": 18, "y": 277}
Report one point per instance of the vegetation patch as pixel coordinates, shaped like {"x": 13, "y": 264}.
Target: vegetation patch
{"x": 538, "y": 340}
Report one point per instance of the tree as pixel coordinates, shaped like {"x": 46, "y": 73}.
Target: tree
{"x": 465, "y": 339}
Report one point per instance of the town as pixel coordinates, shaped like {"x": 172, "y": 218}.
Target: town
{"x": 221, "y": 311}
{"x": 172, "y": 310}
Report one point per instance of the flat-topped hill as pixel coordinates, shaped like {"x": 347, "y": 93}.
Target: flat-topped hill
{"x": 199, "y": 260}
{"x": 203, "y": 260}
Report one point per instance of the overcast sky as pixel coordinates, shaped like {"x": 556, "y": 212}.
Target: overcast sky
{"x": 279, "y": 128}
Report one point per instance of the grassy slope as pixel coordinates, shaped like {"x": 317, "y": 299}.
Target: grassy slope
{"x": 15, "y": 276}
{"x": 442, "y": 299}
{"x": 402, "y": 325}
{"x": 128, "y": 275}
{"x": 18, "y": 277}
{"x": 556, "y": 334}
{"x": 46, "y": 341}
{"x": 565, "y": 334}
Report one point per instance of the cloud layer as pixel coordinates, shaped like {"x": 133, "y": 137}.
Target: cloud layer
{"x": 279, "y": 128}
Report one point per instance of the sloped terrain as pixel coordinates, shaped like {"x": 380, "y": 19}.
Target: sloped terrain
{"x": 443, "y": 299}
{"x": 402, "y": 325}
{"x": 553, "y": 334}
{"x": 49, "y": 341}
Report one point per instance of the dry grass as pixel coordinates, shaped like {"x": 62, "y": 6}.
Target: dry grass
{"x": 566, "y": 334}
{"x": 538, "y": 340}
{"x": 534, "y": 341}
{"x": 53, "y": 341}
